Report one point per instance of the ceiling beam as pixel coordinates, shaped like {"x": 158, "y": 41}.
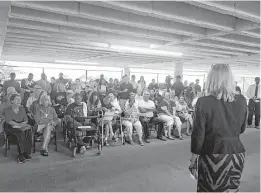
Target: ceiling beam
{"x": 248, "y": 10}
{"x": 93, "y": 12}
{"x": 76, "y": 22}
{"x": 4, "y": 11}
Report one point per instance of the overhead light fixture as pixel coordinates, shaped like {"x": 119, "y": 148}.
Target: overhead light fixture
{"x": 75, "y": 62}
{"x": 146, "y": 51}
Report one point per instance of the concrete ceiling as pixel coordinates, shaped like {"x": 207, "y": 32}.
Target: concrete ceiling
{"x": 133, "y": 33}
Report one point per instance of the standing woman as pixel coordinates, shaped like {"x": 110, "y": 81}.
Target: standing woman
{"x": 141, "y": 83}
{"x": 220, "y": 117}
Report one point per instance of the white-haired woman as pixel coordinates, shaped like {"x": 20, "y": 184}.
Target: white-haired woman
{"x": 220, "y": 117}
{"x": 46, "y": 120}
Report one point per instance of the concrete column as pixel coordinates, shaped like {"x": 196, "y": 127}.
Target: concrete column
{"x": 178, "y": 70}
{"x": 4, "y": 11}
{"x": 127, "y": 71}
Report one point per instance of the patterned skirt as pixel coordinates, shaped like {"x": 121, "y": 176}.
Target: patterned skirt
{"x": 220, "y": 172}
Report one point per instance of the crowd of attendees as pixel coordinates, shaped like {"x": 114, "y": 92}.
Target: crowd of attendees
{"x": 37, "y": 106}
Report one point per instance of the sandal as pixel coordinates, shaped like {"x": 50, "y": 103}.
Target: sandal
{"x": 43, "y": 152}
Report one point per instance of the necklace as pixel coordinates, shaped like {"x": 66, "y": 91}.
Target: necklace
{"x": 44, "y": 110}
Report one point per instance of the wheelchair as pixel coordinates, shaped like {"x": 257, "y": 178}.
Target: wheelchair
{"x": 89, "y": 135}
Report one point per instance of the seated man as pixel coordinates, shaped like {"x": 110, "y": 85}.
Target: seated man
{"x": 74, "y": 118}
{"x": 147, "y": 108}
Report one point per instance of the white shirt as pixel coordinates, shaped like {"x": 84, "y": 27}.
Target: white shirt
{"x": 146, "y": 104}
{"x": 251, "y": 91}
{"x": 134, "y": 84}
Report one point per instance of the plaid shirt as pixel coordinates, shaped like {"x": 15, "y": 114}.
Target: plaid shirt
{"x": 131, "y": 113}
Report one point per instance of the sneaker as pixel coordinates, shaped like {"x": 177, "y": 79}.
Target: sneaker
{"x": 114, "y": 138}
{"x": 180, "y": 137}
{"x": 21, "y": 159}
{"x": 161, "y": 138}
{"x": 131, "y": 142}
{"x": 141, "y": 143}
{"x": 43, "y": 152}
{"x": 257, "y": 127}
{"x": 106, "y": 143}
{"x": 188, "y": 134}
{"x": 82, "y": 149}
{"x": 170, "y": 138}
{"x": 146, "y": 141}
{"x": 27, "y": 157}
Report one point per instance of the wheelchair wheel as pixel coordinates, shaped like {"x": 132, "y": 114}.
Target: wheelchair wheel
{"x": 74, "y": 152}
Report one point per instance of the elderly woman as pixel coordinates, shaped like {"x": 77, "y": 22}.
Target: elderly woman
{"x": 16, "y": 125}
{"x": 220, "y": 118}
{"x": 33, "y": 96}
{"x": 131, "y": 119}
{"x": 165, "y": 115}
{"x": 172, "y": 110}
{"x": 183, "y": 113}
{"x": 46, "y": 120}
{"x": 6, "y": 100}
{"x": 110, "y": 106}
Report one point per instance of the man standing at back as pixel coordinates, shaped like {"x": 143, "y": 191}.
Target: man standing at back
{"x": 253, "y": 93}
{"x": 178, "y": 86}
{"x": 197, "y": 87}
{"x": 134, "y": 83}
{"x": 11, "y": 83}
{"x": 27, "y": 84}
{"x": 125, "y": 89}
{"x": 44, "y": 84}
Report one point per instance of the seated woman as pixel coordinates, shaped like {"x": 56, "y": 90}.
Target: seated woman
{"x": 182, "y": 112}
{"x": 165, "y": 115}
{"x": 172, "y": 110}
{"x": 6, "y": 100}
{"x": 33, "y": 96}
{"x": 69, "y": 97}
{"x": 46, "y": 120}
{"x": 74, "y": 117}
{"x": 131, "y": 119}
{"x": 94, "y": 106}
{"x": 16, "y": 125}
{"x": 110, "y": 106}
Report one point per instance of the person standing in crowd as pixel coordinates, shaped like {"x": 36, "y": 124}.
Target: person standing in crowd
{"x": 134, "y": 83}
{"x": 185, "y": 87}
{"x": 197, "y": 87}
{"x": 61, "y": 79}
{"x": 178, "y": 86}
{"x": 153, "y": 85}
{"x": 44, "y": 84}
{"x": 110, "y": 85}
{"x": 253, "y": 93}
{"x": 141, "y": 83}
{"x": 168, "y": 83}
{"x": 27, "y": 84}
{"x": 125, "y": 89}
{"x": 52, "y": 83}
{"x": 102, "y": 88}
{"x": 220, "y": 118}
{"x": 190, "y": 94}
{"x": 11, "y": 83}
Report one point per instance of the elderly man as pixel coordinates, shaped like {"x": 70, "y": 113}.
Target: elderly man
{"x": 125, "y": 89}
{"x": 147, "y": 109}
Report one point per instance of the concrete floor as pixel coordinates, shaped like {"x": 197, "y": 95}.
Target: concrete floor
{"x": 159, "y": 166}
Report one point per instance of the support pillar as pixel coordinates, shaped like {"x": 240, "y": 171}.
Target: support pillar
{"x": 178, "y": 70}
{"x": 4, "y": 11}
{"x": 127, "y": 71}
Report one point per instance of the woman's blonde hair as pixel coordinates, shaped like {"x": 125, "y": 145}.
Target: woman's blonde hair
{"x": 220, "y": 82}
{"x": 44, "y": 97}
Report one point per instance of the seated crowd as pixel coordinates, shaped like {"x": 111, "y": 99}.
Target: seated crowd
{"x": 36, "y": 107}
